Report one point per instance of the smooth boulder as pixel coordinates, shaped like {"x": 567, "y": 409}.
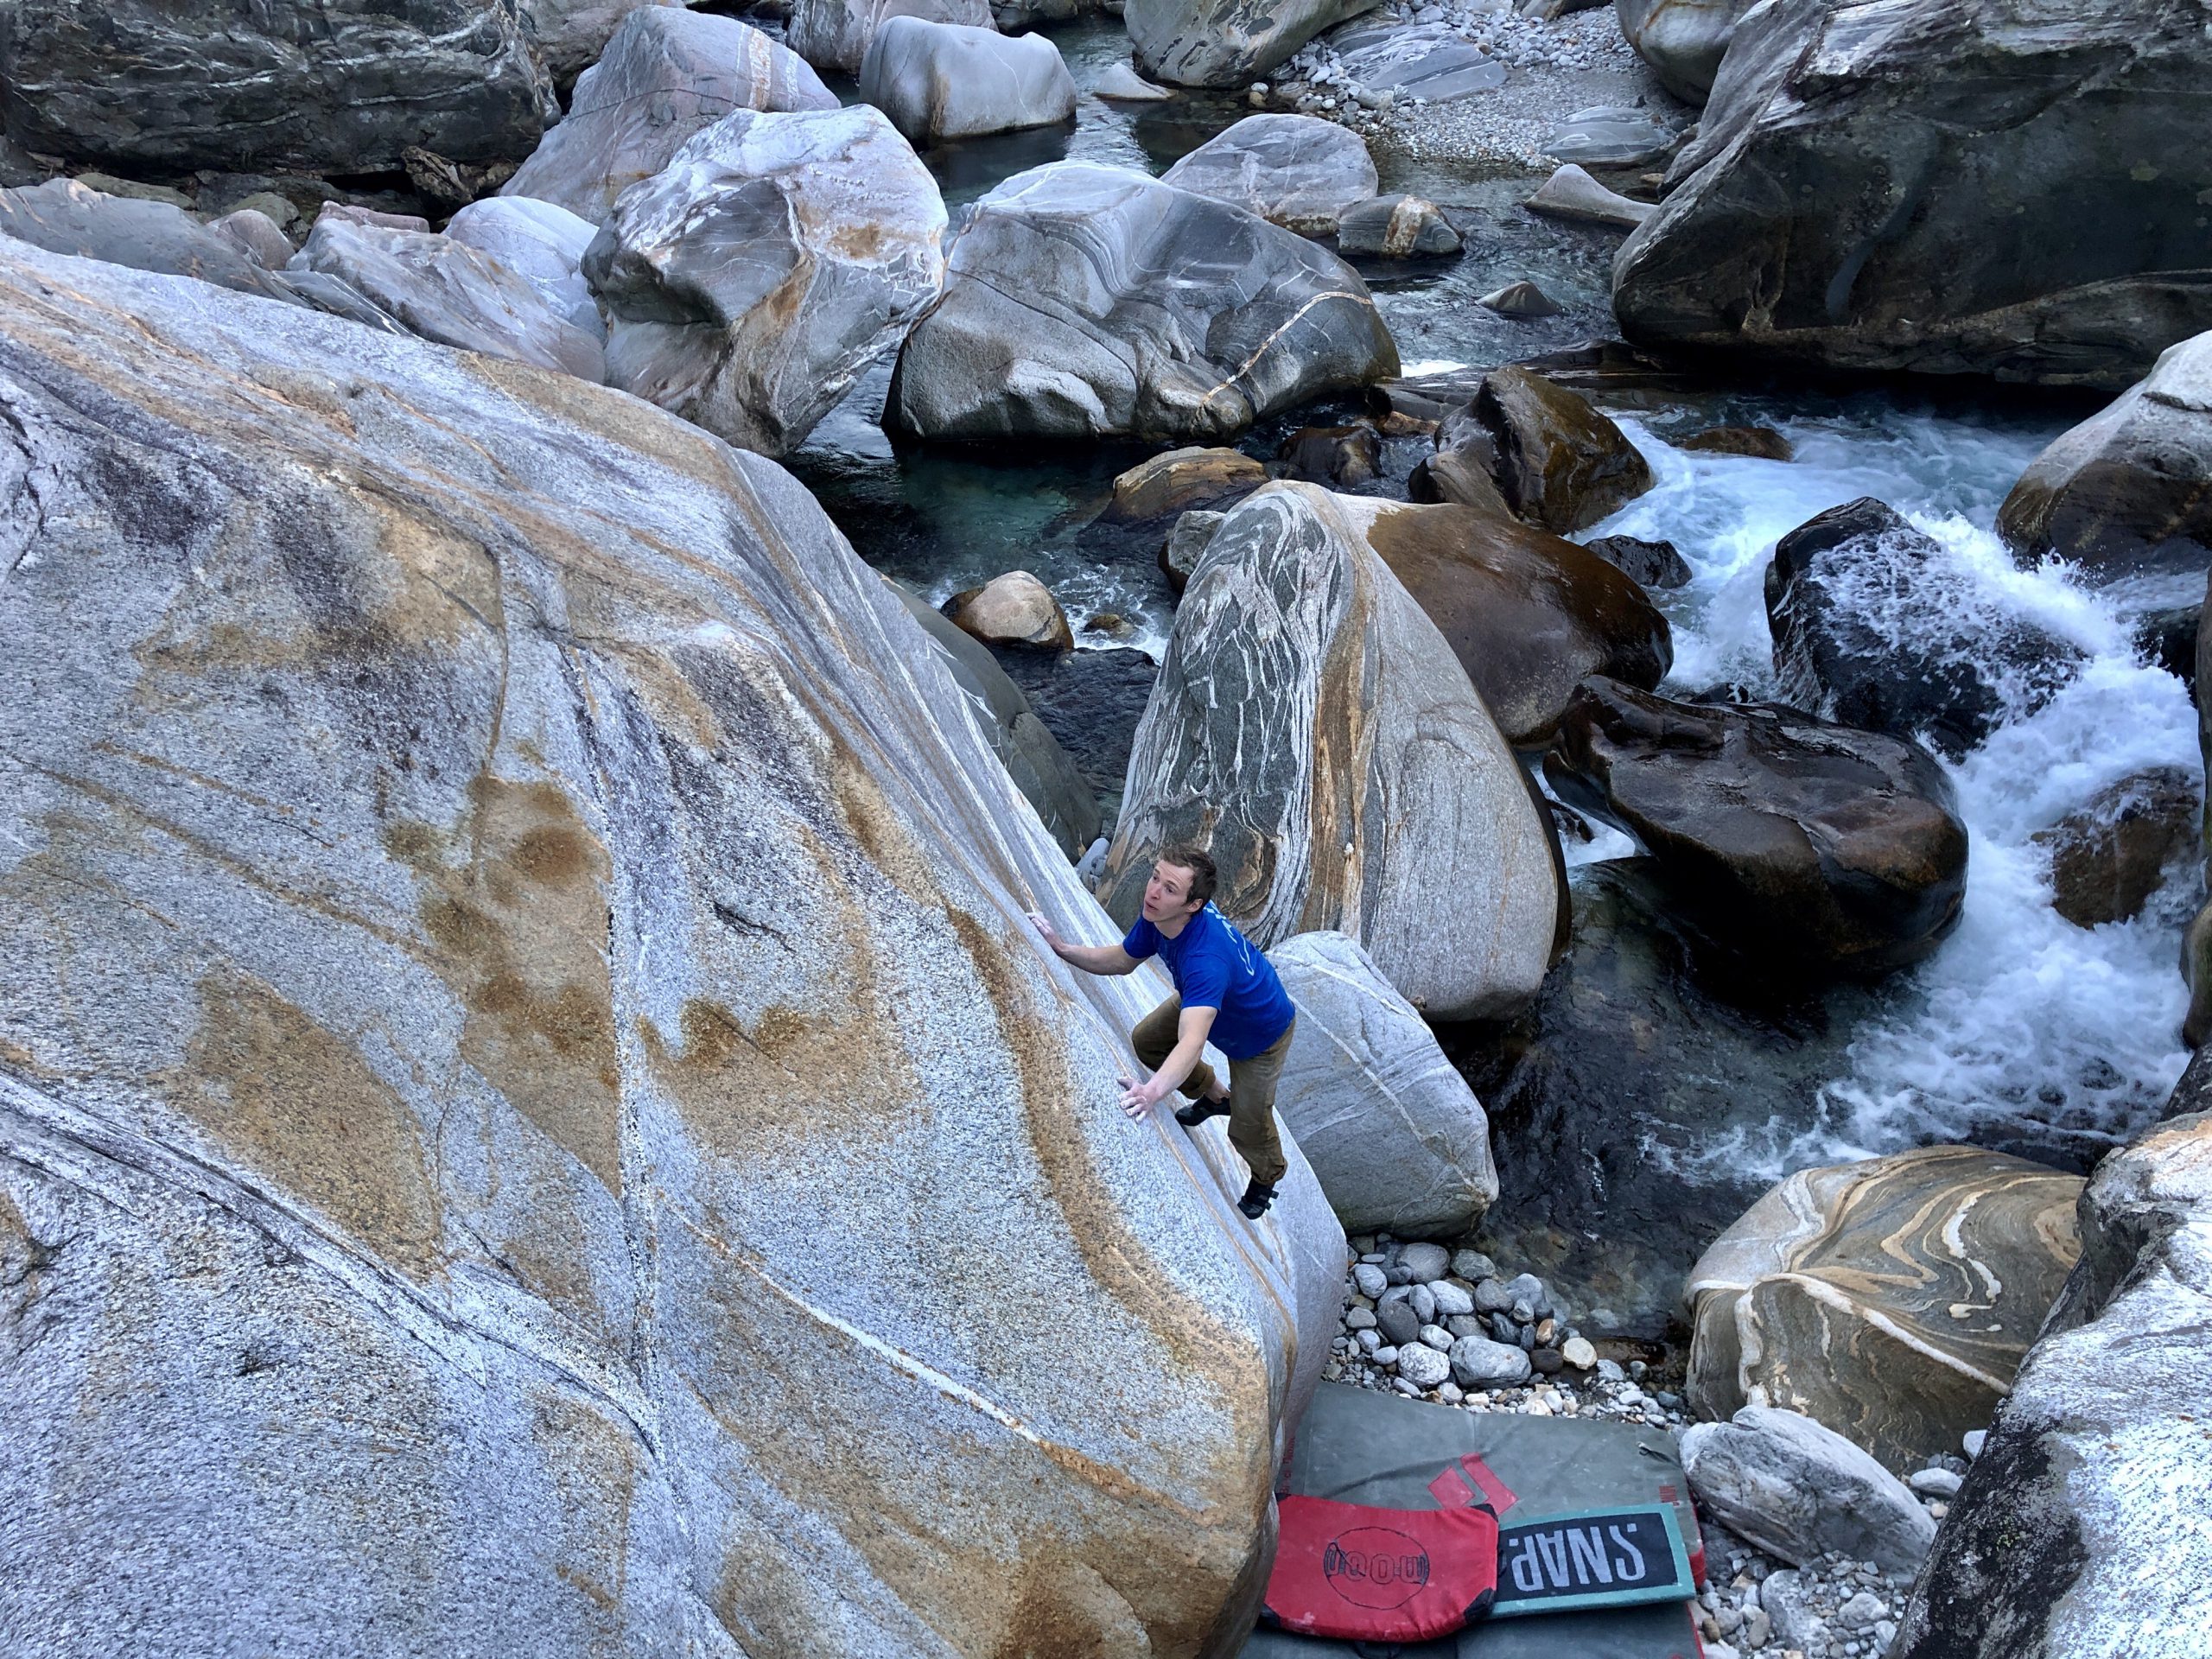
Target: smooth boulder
{"x": 1397, "y": 1140}
{"x": 448, "y": 292}
{"x": 1782, "y": 1481}
{"x": 2108, "y": 856}
{"x": 666, "y": 75}
{"x": 1225, "y": 42}
{"x": 164, "y": 87}
{"x": 1179, "y": 479}
{"x": 1683, "y": 41}
{"x": 515, "y": 993}
{"x": 1432, "y": 61}
{"x": 944, "y": 81}
{"x": 1944, "y": 187}
{"x": 836, "y": 34}
{"x": 774, "y": 259}
{"x": 1297, "y": 171}
{"x": 1312, "y": 726}
{"x": 568, "y": 35}
{"x": 64, "y": 216}
{"x": 2078, "y": 1530}
{"x": 1814, "y": 847}
{"x": 542, "y": 243}
{"x": 1875, "y": 627}
{"x": 2128, "y": 493}
{"x": 1572, "y": 194}
{"x": 1397, "y": 227}
{"x": 1014, "y": 609}
{"x": 1891, "y": 1300}
{"x": 1087, "y": 302}
{"x": 1529, "y": 615}
{"x": 1560, "y": 463}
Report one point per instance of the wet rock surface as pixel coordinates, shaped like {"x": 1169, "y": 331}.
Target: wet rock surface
{"x": 1292, "y": 170}
{"x": 2108, "y": 858}
{"x": 1560, "y": 464}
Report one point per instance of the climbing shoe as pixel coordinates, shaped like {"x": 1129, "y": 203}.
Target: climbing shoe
{"x": 1198, "y": 1111}
{"x": 1257, "y": 1197}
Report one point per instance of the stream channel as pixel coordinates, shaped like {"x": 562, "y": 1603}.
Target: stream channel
{"x": 1647, "y": 1098}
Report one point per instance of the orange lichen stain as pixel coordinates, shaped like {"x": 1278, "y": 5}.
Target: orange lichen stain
{"x": 300, "y": 1107}
{"x": 593, "y": 1458}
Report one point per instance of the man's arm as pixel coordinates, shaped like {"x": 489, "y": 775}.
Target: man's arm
{"x": 1092, "y": 958}
{"x": 1190, "y": 1042}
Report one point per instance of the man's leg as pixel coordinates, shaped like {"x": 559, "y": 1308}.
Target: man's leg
{"x": 1252, "y": 1121}
{"x": 1154, "y": 1039}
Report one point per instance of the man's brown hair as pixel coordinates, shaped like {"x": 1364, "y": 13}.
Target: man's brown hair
{"x": 1200, "y": 865}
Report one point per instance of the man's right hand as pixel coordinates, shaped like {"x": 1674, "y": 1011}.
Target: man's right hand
{"x": 1043, "y": 924}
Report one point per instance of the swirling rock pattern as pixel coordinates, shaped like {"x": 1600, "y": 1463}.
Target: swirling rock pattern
{"x": 1313, "y": 728}
{"x": 1946, "y": 187}
{"x": 666, "y": 75}
{"x": 775, "y": 258}
{"x": 1086, "y": 302}
{"x": 1297, "y": 171}
{"x": 513, "y": 1000}
{"x": 1889, "y": 1299}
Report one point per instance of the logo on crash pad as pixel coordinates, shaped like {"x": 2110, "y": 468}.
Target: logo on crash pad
{"x": 1375, "y": 1566}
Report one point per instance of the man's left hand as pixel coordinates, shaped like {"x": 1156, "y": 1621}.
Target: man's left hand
{"x": 1139, "y": 1098}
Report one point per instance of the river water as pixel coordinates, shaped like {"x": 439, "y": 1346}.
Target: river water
{"x": 2023, "y": 1030}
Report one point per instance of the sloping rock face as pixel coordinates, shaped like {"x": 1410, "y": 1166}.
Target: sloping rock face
{"x": 666, "y": 75}
{"x": 1225, "y": 42}
{"x": 1087, "y": 302}
{"x": 777, "y": 256}
{"x": 568, "y": 35}
{"x": 1683, "y": 41}
{"x": 1297, "y": 171}
{"x": 343, "y": 86}
{"x": 1988, "y": 186}
{"x": 836, "y": 34}
{"x": 1529, "y": 615}
{"x": 2128, "y": 492}
{"x": 2077, "y": 1531}
{"x": 63, "y": 216}
{"x": 944, "y": 81}
{"x": 449, "y": 292}
{"x": 1313, "y": 728}
{"x": 1817, "y": 848}
{"x": 1397, "y": 1139}
{"x": 1891, "y": 1300}
{"x": 542, "y": 245}
{"x": 513, "y": 995}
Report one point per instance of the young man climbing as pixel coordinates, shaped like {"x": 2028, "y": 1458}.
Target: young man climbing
{"x": 1225, "y": 992}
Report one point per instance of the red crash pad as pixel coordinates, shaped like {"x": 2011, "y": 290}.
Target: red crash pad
{"x": 1358, "y": 1573}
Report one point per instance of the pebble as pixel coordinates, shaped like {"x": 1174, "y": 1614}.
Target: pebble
{"x": 1424, "y": 1301}
{"x": 1425, "y": 1261}
{"x": 1371, "y": 1279}
{"x": 1934, "y": 1482}
{"x": 1474, "y": 1267}
{"x": 1492, "y": 1297}
{"x": 1450, "y": 1298}
{"x": 1973, "y": 1441}
{"x": 1577, "y": 1352}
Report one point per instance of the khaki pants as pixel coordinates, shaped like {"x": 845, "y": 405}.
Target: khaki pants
{"x": 1251, "y": 1087}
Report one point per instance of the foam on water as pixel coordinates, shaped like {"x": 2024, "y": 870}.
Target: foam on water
{"x": 2023, "y": 1030}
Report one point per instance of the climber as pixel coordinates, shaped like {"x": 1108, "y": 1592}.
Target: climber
{"x": 1225, "y": 992}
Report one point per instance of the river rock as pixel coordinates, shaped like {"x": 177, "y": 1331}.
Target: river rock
{"x": 1782, "y": 1481}
{"x": 1524, "y": 301}
{"x": 836, "y": 34}
{"x": 1225, "y": 42}
{"x": 1297, "y": 171}
{"x": 1559, "y": 463}
{"x": 1040, "y": 768}
{"x": 568, "y": 35}
{"x": 1397, "y": 1137}
{"x": 1423, "y": 1366}
{"x": 1950, "y": 186}
{"x": 542, "y": 243}
{"x": 1610, "y": 136}
{"x": 946, "y": 81}
{"x": 1182, "y": 479}
{"x": 1430, "y": 61}
{"x": 1014, "y": 609}
{"x": 1571, "y": 193}
{"x": 448, "y": 292}
{"x": 164, "y": 87}
{"x": 1682, "y": 40}
{"x": 1813, "y": 847}
{"x": 666, "y": 73}
{"x": 2110, "y": 856}
{"x": 1343, "y": 456}
{"x": 1086, "y": 302}
{"x": 2128, "y": 493}
{"x": 1648, "y": 564}
{"x": 63, "y": 216}
{"x": 1478, "y": 1363}
{"x": 776, "y": 257}
{"x": 1186, "y": 544}
{"x": 1758, "y": 443}
{"x": 254, "y": 234}
{"x": 2074, "y": 1533}
{"x": 1312, "y": 726}
{"x": 1397, "y": 227}
{"x": 428, "y": 769}
{"x": 1121, "y": 84}
{"x": 1528, "y": 614}
{"x": 1891, "y": 1300}
{"x": 1874, "y": 626}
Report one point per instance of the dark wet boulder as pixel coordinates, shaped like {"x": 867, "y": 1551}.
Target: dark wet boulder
{"x": 1402, "y": 227}
{"x": 1759, "y": 442}
{"x": 2128, "y": 493}
{"x": 1683, "y": 41}
{"x": 1183, "y": 479}
{"x": 1560, "y": 463}
{"x": 164, "y": 87}
{"x": 1952, "y": 187}
{"x": 1815, "y": 848}
{"x": 1086, "y": 301}
{"x": 1225, "y": 42}
{"x": 1186, "y": 544}
{"x": 1529, "y": 615}
{"x": 1297, "y": 171}
{"x": 2108, "y": 858}
{"x": 2079, "y": 1529}
{"x": 1877, "y": 626}
{"x": 1649, "y": 564}
{"x": 1342, "y": 457}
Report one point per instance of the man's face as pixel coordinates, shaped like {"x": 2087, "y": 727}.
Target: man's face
{"x": 1167, "y": 895}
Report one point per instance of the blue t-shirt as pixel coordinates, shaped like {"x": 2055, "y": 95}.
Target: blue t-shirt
{"x": 1214, "y": 966}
